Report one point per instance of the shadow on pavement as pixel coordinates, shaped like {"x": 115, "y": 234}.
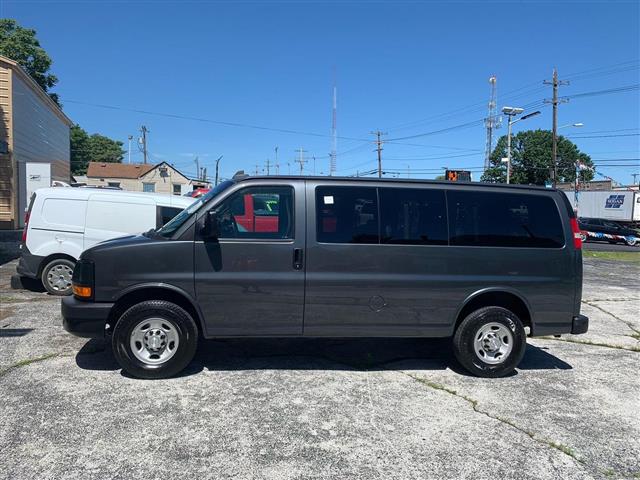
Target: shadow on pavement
{"x": 319, "y": 354}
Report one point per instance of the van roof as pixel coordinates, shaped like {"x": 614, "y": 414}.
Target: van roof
{"x": 403, "y": 181}
{"x": 81, "y": 193}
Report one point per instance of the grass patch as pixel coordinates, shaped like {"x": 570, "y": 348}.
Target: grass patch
{"x": 474, "y": 404}
{"x": 595, "y": 344}
{"x": 28, "y": 361}
{"x": 630, "y": 257}
{"x": 5, "y": 300}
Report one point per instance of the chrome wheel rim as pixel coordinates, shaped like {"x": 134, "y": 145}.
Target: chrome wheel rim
{"x": 154, "y": 341}
{"x": 493, "y": 343}
{"x": 59, "y": 277}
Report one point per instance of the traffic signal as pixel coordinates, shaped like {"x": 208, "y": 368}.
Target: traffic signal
{"x": 457, "y": 175}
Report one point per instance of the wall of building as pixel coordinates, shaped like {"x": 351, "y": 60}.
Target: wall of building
{"x": 164, "y": 179}
{"x": 6, "y": 170}
{"x": 39, "y": 135}
{"x": 163, "y": 183}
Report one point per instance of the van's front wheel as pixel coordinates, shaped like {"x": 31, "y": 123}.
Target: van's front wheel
{"x": 154, "y": 339}
{"x": 490, "y": 342}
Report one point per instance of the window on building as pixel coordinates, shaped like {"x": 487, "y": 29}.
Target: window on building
{"x": 148, "y": 187}
{"x": 503, "y": 220}
{"x": 413, "y": 216}
{"x": 177, "y": 188}
{"x": 346, "y": 215}
{"x": 114, "y": 184}
{"x": 258, "y": 213}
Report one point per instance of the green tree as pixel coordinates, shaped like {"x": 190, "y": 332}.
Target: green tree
{"x": 87, "y": 148}
{"x": 531, "y": 153}
{"x": 21, "y": 45}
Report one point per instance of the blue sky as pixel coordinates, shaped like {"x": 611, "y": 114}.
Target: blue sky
{"x": 402, "y": 67}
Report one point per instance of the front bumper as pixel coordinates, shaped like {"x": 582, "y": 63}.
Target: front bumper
{"x": 580, "y": 324}
{"x": 29, "y": 264}
{"x": 85, "y": 319}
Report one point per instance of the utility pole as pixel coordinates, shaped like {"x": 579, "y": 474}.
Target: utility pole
{"x": 555, "y": 101}
{"x": 634, "y": 175}
{"x": 491, "y": 122}
{"x": 268, "y": 165}
{"x": 301, "y": 160}
{"x": 257, "y": 168}
{"x": 277, "y": 165}
{"x": 143, "y": 140}
{"x": 408, "y": 171}
{"x": 130, "y": 138}
{"x": 217, "y": 165}
{"x": 379, "y": 142}
{"x": 198, "y": 173}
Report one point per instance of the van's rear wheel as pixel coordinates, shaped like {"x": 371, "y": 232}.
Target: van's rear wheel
{"x": 56, "y": 276}
{"x": 490, "y": 342}
{"x": 154, "y": 339}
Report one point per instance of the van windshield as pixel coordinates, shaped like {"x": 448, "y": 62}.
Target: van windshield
{"x": 176, "y": 222}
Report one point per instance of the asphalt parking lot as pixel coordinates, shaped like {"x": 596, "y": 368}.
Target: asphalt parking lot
{"x": 365, "y": 409}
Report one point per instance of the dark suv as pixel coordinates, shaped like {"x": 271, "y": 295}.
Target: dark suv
{"x": 339, "y": 257}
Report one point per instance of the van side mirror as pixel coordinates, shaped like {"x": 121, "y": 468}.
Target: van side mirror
{"x": 211, "y": 228}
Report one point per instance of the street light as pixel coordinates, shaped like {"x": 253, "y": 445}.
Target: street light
{"x": 577, "y": 125}
{"x": 512, "y": 112}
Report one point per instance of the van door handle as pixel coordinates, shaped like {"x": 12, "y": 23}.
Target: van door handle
{"x": 297, "y": 258}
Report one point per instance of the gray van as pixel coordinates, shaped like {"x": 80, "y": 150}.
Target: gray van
{"x": 484, "y": 264}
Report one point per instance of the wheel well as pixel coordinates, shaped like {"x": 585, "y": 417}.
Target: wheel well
{"x": 497, "y": 299}
{"x": 51, "y": 257}
{"x": 152, "y": 293}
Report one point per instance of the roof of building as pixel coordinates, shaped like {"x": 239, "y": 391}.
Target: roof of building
{"x": 35, "y": 87}
{"x": 117, "y": 170}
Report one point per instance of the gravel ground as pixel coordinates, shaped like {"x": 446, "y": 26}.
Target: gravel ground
{"x": 362, "y": 409}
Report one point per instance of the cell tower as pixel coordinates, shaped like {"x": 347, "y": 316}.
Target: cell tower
{"x": 492, "y": 121}
{"x": 334, "y": 132}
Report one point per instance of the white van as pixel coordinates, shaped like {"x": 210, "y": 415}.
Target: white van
{"x": 63, "y": 222}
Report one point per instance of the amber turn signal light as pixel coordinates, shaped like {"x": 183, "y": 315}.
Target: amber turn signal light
{"x": 82, "y": 292}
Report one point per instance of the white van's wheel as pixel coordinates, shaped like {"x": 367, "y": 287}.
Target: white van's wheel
{"x": 490, "y": 342}
{"x": 56, "y": 276}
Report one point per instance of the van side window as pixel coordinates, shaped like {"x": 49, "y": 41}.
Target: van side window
{"x": 503, "y": 220}
{"x": 164, "y": 214}
{"x": 347, "y": 215}
{"x": 257, "y": 213}
{"x": 413, "y": 216}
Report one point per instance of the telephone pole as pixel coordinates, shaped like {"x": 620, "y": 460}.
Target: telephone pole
{"x": 143, "y": 140}
{"x": 555, "y": 101}
{"x": 379, "y": 149}
{"x": 268, "y": 165}
{"x": 277, "y": 165}
{"x": 301, "y": 160}
{"x": 257, "y": 169}
{"x": 217, "y": 169}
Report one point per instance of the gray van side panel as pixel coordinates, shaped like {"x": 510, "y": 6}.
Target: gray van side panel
{"x": 418, "y": 290}
{"x": 135, "y": 263}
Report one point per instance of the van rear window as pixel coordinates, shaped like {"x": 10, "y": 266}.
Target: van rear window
{"x": 494, "y": 219}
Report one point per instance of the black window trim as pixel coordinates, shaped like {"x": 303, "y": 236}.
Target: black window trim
{"x": 377, "y": 188}
{"x": 562, "y": 225}
{"x": 446, "y": 195}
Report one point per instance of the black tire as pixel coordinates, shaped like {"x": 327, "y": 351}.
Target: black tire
{"x": 631, "y": 243}
{"x": 56, "y": 278}
{"x": 176, "y": 318}
{"x": 465, "y": 337}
